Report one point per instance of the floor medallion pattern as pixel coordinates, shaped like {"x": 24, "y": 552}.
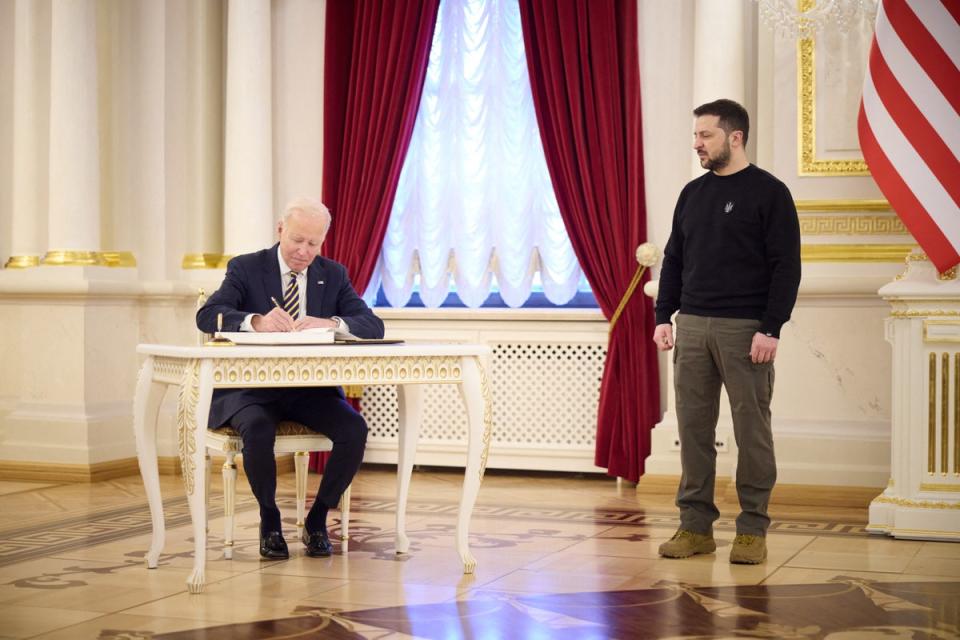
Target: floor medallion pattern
{"x": 559, "y": 557}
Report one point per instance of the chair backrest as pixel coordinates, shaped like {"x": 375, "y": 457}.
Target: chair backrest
{"x": 202, "y": 336}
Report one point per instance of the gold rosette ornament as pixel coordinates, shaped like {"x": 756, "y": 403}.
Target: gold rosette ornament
{"x": 647, "y": 255}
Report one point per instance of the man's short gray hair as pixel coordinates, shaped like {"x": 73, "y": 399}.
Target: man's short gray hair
{"x": 309, "y": 206}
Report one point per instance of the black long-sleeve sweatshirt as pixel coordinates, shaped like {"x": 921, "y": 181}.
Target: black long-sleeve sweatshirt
{"x": 734, "y": 250}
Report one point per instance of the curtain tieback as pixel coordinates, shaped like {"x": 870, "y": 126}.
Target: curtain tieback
{"x": 647, "y": 256}
{"x": 626, "y": 296}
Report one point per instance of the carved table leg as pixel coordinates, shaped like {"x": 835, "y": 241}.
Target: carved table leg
{"x": 410, "y": 407}
{"x": 475, "y": 392}
{"x": 192, "y": 413}
{"x": 146, "y": 405}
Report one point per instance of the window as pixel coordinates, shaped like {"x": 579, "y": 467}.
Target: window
{"x": 475, "y": 216}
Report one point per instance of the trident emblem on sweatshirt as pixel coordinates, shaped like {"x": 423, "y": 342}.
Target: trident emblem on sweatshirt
{"x": 728, "y": 207}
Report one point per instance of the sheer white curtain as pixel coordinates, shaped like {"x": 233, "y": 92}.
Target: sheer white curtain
{"x": 475, "y": 201}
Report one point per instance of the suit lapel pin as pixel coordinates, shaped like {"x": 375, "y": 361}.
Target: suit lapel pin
{"x": 319, "y": 281}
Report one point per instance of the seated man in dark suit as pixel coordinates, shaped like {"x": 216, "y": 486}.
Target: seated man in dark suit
{"x": 289, "y": 287}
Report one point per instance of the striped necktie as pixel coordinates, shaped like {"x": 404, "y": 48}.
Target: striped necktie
{"x": 291, "y": 297}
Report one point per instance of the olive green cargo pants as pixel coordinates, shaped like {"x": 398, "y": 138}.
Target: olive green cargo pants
{"x": 710, "y": 352}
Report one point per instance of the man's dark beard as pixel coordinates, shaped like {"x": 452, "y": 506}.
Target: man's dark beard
{"x": 722, "y": 159}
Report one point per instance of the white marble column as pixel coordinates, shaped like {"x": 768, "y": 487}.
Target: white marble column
{"x": 248, "y": 179}
{"x": 205, "y": 193}
{"x": 718, "y": 55}
{"x": 74, "y": 231}
{"x": 30, "y": 145}
{"x": 298, "y": 82}
{"x": 151, "y": 235}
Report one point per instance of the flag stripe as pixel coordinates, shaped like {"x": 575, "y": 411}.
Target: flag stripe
{"x": 909, "y": 120}
{"x": 941, "y": 114}
{"x": 942, "y": 25}
{"x": 924, "y": 48}
{"x": 912, "y": 123}
{"x": 953, "y": 7}
{"x": 909, "y": 165}
{"x": 903, "y": 201}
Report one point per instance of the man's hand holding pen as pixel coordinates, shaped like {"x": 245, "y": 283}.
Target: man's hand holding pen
{"x": 279, "y": 320}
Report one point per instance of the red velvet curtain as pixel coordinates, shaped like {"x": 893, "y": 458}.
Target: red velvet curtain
{"x": 375, "y": 63}
{"x": 583, "y": 60}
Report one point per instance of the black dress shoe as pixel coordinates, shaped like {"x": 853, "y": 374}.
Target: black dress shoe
{"x": 273, "y": 546}
{"x": 317, "y": 543}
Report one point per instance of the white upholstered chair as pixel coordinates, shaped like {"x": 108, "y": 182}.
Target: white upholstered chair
{"x": 292, "y": 437}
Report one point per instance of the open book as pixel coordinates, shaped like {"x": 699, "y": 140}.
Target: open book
{"x": 307, "y": 336}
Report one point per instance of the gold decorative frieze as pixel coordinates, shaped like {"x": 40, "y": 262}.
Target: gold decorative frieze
{"x": 201, "y": 261}
{"x": 222, "y": 264}
{"x": 291, "y": 372}
{"x": 921, "y": 313}
{"x": 855, "y": 252}
{"x": 22, "y": 262}
{"x": 810, "y": 165}
{"x": 852, "y": 225}
{"x": 846, "y": 205}
{"x": 186, "y": 421}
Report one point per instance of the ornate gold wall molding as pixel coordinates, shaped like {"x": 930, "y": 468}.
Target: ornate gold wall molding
{"x": 809, "y": 164}
{"x": 855, "y": 252}
{"x": 840, "y": 204}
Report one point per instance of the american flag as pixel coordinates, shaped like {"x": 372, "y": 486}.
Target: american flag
{"x": 909, "y": 121}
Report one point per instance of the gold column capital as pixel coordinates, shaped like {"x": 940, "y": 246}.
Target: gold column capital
{"x": 201, "y": 261}
{"x": 69, "y": 258}
{"x": 22, "y": 262}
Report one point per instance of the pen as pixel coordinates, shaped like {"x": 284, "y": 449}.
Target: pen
{"x": 275, "y": 303}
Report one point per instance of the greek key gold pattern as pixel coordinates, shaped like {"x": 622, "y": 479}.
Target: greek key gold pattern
{"x": 186, "y": 421}
{"x": 809, "y": 164}
{"x": 286, "y": 372}
{"x": 487, "y": 415}
{"x": 851, "y": 225}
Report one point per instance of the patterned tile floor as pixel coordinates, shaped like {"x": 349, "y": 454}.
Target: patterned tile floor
{"x": 559, "y": 557}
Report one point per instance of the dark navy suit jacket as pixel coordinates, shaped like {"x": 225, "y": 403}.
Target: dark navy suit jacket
{"x": 251, "y": 280}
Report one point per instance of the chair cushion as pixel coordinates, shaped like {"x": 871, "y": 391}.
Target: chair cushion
{"x": 285, "y": 428}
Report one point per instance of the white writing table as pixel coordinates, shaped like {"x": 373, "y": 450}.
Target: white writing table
{"x": 197, "y": 371}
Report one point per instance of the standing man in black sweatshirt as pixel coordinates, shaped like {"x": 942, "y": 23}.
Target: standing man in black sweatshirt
{"x": 732, "y": 269}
